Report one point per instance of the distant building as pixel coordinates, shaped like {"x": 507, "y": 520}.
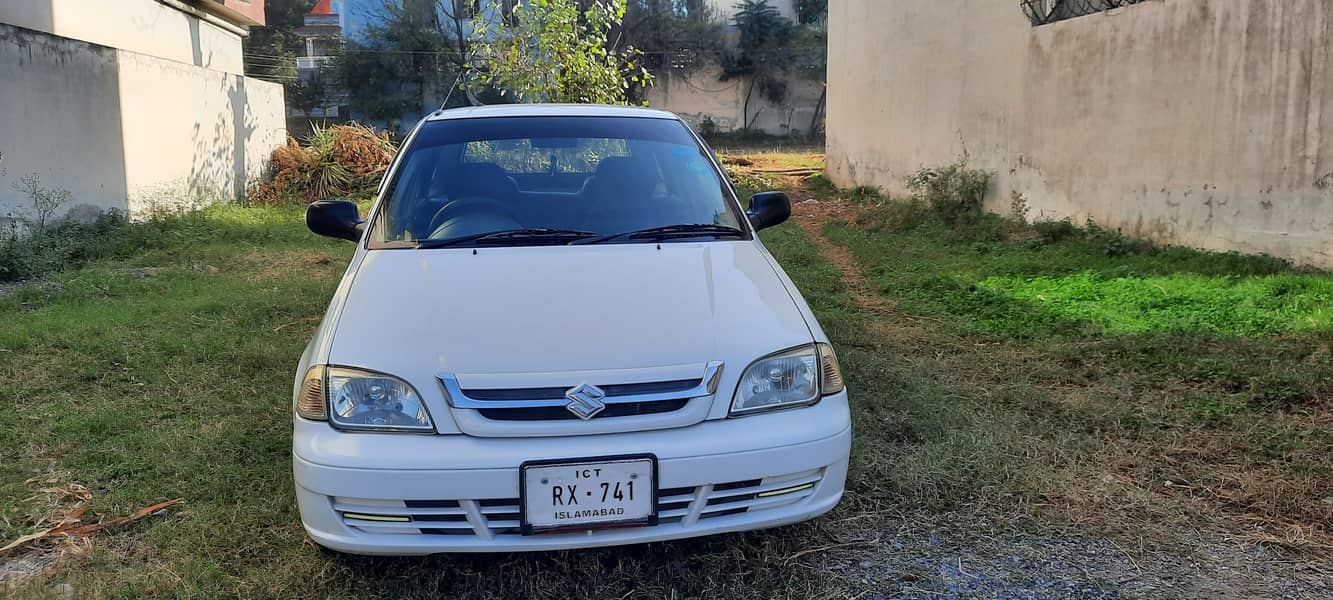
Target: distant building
{"x": 331, "y": 24}
{"x": 133, "y": 105}
{"x": 322, "y": 29}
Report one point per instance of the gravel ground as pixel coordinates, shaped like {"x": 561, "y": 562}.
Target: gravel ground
{"x": 908, "y": 564}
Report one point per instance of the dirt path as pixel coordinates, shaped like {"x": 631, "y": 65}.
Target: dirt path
{"x": 811, "y": 214}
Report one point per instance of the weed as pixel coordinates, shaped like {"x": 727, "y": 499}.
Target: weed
{"x": 1113, "y": 242}
{"x": 65, "y": 246}
{"x": 864, "y": 194}
{"x": 1018, "y": 207}
{"x": 820, "y": 184}
{"x": 1055, "y": 231}
{"x": 45, "y": 201}
{"x": 954, "y": 192}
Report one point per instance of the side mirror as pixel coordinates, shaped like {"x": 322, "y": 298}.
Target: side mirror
{"x": 768, "y": 209}
{"x": 335, "y": 219}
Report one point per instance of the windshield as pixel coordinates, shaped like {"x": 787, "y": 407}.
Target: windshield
{"x": 537, "y": 180}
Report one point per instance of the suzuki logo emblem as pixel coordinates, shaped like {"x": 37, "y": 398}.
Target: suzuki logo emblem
{"x": 585, "y": 400}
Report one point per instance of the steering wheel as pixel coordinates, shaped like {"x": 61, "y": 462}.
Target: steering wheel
{"x": 485, "y": 209}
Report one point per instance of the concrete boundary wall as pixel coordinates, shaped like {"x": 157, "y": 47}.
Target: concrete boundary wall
{"x": 702, "y": 96}
{"x": 127, "y": 131}
{"x": 1196, "y": 122}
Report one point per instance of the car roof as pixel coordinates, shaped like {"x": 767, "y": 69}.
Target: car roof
{"x": 549, "y": 110}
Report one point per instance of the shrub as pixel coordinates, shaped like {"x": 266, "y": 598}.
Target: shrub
{"x": 338, "y": 161}
{"x": 45, "y": 201}
{"x": 1114, "y": 243}
{"x": 60, "y": 247}
{"x": 1018, "y": 207}
{"x": 865, "y": 193}
{"x": 1054, "y": 231}
{"x": 954, "y": 192}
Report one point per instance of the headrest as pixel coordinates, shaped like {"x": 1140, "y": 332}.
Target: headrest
{"x": 622, "y": 175}
{"x": 480, "y": 179}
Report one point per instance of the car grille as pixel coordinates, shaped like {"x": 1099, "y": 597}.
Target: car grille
{"x": 547, "y": 413}
{"x": 550, "y": 404}
{"x": 628, "y": 389}
{"x": 500, "y": 517}
{"x": 559, "y": 413}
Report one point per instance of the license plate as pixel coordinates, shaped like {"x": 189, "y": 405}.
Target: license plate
{"x": 588, "y": 493}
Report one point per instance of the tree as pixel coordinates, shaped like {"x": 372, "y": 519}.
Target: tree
{"x": 762, "y": 54}
{"x": 404, "y": 61}
{"x": 271, "y": 50}
{"x": 681, "y": 35}
{"x": 555, "y": 51}
{"x": 307, "y": 95}
{"x": 810, "y": 12}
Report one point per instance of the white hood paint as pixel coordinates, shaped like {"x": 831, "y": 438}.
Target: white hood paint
{"x": 553, "y": 310}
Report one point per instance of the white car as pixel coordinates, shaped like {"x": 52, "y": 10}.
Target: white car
{"x": 559, "y": 330}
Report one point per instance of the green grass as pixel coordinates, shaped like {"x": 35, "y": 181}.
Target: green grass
{"x": 1034, "y": 288}
{"x": 1124, "y": 361}
{"x": 1181, "y": 302}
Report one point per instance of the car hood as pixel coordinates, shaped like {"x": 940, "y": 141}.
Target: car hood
{"x": 561, "y": 309}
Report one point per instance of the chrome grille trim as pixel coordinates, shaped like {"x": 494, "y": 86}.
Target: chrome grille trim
{"x": 706, "y": 386}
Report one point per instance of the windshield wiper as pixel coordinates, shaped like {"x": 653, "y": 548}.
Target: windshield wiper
{"x": 510, "y": 236}
{"x": 666, "y": 232}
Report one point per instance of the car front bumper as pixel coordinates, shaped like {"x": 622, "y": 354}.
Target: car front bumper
{"x": 461, "y": 493}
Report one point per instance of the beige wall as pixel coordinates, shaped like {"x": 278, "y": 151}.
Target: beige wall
{"x": 152, "y": 27}
{"x": 1187, "y": 121}
{"x": 200, "y": 138}
{"x": 64, "y": 129}
{"x": 127, "y": 131}
{"x": 700, "y": 94}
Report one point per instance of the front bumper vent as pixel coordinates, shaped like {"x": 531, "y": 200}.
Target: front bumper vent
{"x": 500, "y": 517}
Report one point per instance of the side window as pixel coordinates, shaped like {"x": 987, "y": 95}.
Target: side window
{"x": 410, "y": 189}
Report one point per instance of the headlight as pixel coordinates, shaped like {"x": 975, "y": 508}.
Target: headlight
{"x": 785, "y": 379}
{"x": 795, "y": 377}
{"x": 359, "y": 399}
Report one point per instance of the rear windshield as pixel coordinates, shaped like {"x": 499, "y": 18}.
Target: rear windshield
{"x": 600, "y": 175}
